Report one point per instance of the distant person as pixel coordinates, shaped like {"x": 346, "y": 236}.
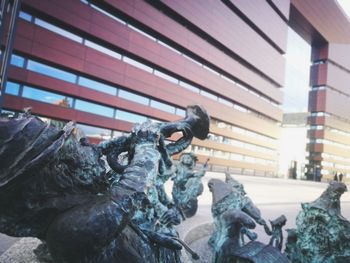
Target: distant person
{"x": 318, "y": 174}
{"x": 341, "y": 177}
{"x": 336, "y": 177}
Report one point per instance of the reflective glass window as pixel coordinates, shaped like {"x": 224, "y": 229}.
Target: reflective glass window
{"x": 208, "y": 95}
{"x": 25, "y": 16}
{"x": 137, "y": 64}
{"x": 94, "y": 108}
{"x": 189, "y": 87}
{"x": 169, "y": 47}
{"x": 141, "y": 32}
{"x": 116, "y": 134}
{"x": 211, "y": 70}
{"x": 91, "y": 84}
{"x": 51, "y": 71}
{"x": 240, "y": 108}
{"x": 162, "y": 106}
{"x": 242, "y": 86}
{"x": 58, "y": 30}
{"x": 12, "y": 88}
{"x": 155, "y": 120}
{"x": 107, "y": 14}
{"x": 133, "y": 97}
{"x": 226, "y": 102}
{"x": 166, "y": 76}
{"x": 17, "y": 61}
{"x": 102, "y": 49}
{"x": 95, "y": 132}
{"x": 46, "y": 96}
{"x": 228, "y": 79}
{"x": 130, "y": 117}
{"x": 180, "y": 112}
{"x": 193, "y": 60}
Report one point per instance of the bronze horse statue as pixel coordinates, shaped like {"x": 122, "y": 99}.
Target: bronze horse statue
{"x": 54, "y": 186}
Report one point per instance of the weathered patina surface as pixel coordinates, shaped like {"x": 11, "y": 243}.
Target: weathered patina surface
{"x": 187, "y": 184}
{"x": 54, "y": 186}
{"x": 234, "y": 215}
{"x": 322, "y": 233}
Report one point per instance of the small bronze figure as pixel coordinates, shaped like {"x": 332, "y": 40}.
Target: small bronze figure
{"x": 187, "y": 184}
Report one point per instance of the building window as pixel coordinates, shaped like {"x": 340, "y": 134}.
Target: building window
{"x": 208, "y": 95}
{"x": 95, "y": 132}
{"x": 130, "y": 117}
{"x": 141, "y": 32}
{"x": 94, "y": 108}
{"x": 107, "y": 14}
{"x": 137, "y": 64}
{"x": 189, "y": 87}
{"x": 226, "y": 102}
{"x": 46, "y": 96}
{"x": 180, "y": 112}
{"x": 162, "y": 106}
{"x": 166, "y": 77}
{"x": 236, "y": 157}
{"x": 116, "y": 134}
{"x": 17, "y": 61}
{"x": 133, "y": 97}
{"x": 51, "y": 71}
{"x": 169, "y": 47}
{"x": 12, "y": 88}
{"x": 240, "y": 108}
{"x": 102, "y": 49}
{"x": 25, "y": 16}
{"x": 95, "y": 85}
{"x": 58, "y": 30}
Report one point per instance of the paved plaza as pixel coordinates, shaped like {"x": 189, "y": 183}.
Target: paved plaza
{"x": 273, "y": 196}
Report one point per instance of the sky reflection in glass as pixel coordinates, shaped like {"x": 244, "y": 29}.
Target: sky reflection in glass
{"x": 17, "y": 61}
{"x": 95, "y": 85}
{"x": 12, "y": 88}
{"x": 94, "y": 108}
{"x": 46, "y": 96}
{"x": 133, "y": 97}
{"x": 130, "y": 117}
{"x": 51, "y": 71}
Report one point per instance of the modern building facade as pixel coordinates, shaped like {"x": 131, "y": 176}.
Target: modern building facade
{"x": 329, "y": 106}
{"x": 329, "y": 96}
{"x": 108, "y": 64}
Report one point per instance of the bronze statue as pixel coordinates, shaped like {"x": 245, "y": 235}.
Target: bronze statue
{"x": 54, "y": 186}
{"x": 234, "y": 215}
{"x": 187, "y": 184}
{"x": 276, "y": 239}
{"x": 322, "y": 233}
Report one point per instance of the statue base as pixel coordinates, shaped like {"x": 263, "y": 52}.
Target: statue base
{"x": 22, "y": 252}
{"x": 197, "y": 239}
